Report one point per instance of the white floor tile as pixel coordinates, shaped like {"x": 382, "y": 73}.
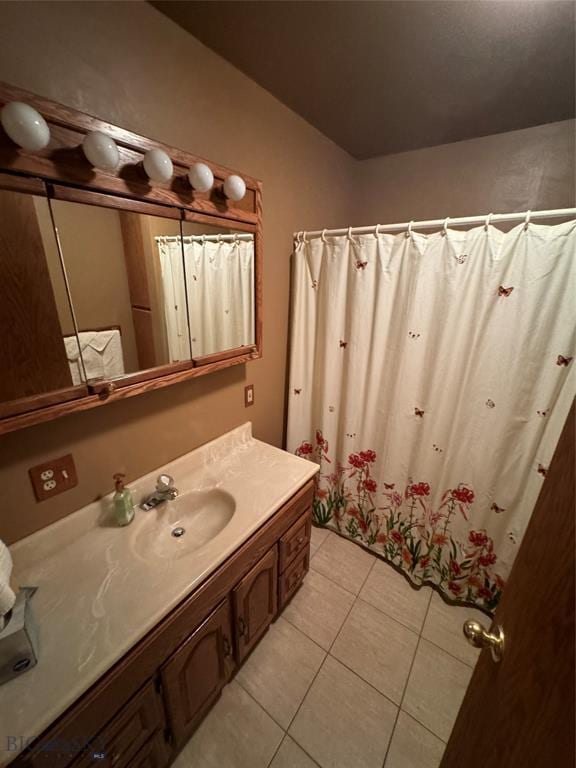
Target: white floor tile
{"x": 343, "y": 562}
{"x": 413, "y": 746}
{"x": 290, "y": 755}
{"x": 318, "y": 537}
{"x": 343, "y": 722}
{"x": 390, "y": 592}
{"x": 443, "y": 626}
{"x": 377, "y": 648}
{"x": 436, "y": 688}
{"x": 319, "y": 608}
{"x": 280, "y": 670}
{"x": 237, "y": 733}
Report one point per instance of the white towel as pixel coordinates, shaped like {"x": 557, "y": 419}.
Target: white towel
{"x": 7, "y": 596}
{"x": 101, "y": 353}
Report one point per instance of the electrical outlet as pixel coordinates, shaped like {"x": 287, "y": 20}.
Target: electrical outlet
{"x": 248, "y": 395}
{"x": 53, "y": 477}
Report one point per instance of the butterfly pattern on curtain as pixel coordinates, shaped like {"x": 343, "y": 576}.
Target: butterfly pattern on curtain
{"x": 430, "y": 380}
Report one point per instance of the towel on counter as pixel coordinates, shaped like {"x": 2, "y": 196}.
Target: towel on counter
{"x": 7, "y": 596}
{"x": 101, "y": 353}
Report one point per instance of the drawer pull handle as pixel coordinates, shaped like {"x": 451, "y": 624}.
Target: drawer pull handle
{"x": 241, "y": 626}
{"x": 300, "y": 540}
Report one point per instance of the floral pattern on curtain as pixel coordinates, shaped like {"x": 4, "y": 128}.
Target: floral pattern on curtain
{"x": 430, "y": 380}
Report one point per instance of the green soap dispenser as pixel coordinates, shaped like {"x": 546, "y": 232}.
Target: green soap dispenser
{"x": 123, "y": 504}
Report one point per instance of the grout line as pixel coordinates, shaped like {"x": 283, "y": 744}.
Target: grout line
{"x": 323, "y": 662}
{"x": 406, "y": 683}
{"x": 426, "y": 728}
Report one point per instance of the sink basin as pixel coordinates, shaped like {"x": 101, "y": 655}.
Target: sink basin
{"x": 176, "y": 528}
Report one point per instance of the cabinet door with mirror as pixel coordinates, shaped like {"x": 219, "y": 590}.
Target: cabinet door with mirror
{"x": 129, "y": 302}
{"x": 36, "y": 316}
{"x": 219, "y": 271}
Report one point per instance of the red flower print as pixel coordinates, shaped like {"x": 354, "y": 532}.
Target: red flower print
{"x": 463, "y": 495}
{"x": 362, "y": 525}
{"x": 407, "y": 557}
{"x": 488, "y": 559}
{"x": 370, "y": 485}
{"x": 454, "y": 587}
{"x": 321, "y": 440}
{"x": 368, "y": 456}
{"x": 474, "y": 581}
{"x": 485, "y": 593}
{"x": 305, "y": 449}
{"x": 424, "y": 562}
{"x": 418, "y": 489}
{"x": 439, "y": 539}
{"x": 321, "y": 493}
{"x": 455, "y": 568}
{"x": 354, "y": 512}
{"x": 381, "y": 538}
{"x": 478, "y": 538}
{"x": 395, "y": 499}
{"x": 356, "y": 461}
{"x": 397, "y": 537}
{"x": 499, "y": 582}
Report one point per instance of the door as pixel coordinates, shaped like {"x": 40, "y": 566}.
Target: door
{"x": 519, "y": 712}
{"x": 194, "y": 676}
{"x": 255, "y": 603}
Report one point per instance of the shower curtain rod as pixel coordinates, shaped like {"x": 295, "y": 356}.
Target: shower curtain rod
{"x": 488, "y": 218}
{"x": 202, "y": 238}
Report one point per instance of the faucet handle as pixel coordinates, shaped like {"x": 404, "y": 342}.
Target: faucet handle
{"x": 164, "y": 483}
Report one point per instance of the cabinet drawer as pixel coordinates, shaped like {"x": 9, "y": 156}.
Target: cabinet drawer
{"x": 124, "y": 737}
{"x": 154, "y": 754}
{"x": 295, "y": 540}
{"x": 293, "y": 577}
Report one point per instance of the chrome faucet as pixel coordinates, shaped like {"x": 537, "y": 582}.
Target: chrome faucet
{"x": 165, "y": 491}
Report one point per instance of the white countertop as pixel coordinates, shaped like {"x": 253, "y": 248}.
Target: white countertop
{"x": 97, "y": 595}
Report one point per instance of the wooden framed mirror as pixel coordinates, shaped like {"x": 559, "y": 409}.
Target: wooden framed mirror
{"x": 117, "y": 284}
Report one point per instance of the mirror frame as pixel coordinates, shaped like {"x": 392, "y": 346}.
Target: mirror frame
{"x": 63, "y": 171}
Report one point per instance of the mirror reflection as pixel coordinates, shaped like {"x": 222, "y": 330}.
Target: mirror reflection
{"x": 34, "y": 306}
{"x": 219, "y": 269}
{"x": 119, "y": 291}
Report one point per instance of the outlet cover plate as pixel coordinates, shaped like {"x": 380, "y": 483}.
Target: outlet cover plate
{"x": 53, "y": 477}
{"x": 249, "y": 395}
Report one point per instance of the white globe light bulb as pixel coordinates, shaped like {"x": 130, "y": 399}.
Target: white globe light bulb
{"x": 200, "y": 177}
{"x": 234, "y": 188}
{"x": 25, "y": 126}
{"x": 101, "y": 151}
{"x": 158, "y": 165}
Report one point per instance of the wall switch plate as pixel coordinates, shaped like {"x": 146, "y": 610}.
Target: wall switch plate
{"x": 249, "y": 395}
{"x": 53, "y": 477}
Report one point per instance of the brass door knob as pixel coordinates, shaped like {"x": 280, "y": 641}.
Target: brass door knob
{"x": 479, "y": 637}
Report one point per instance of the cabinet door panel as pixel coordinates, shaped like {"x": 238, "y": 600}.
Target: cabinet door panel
{"x": 255, "y": 603}
{"x": 194, "y": 676}
{"x": 154, "y": 754}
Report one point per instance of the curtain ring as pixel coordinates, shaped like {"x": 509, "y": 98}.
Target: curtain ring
{"x": 349, "y": 233}
{"x": 445, "y": 226}
{"x": 409, "y": 230}
{"x": 219, "y": 238}
{"x": 323, "y": 236}
{"x": 376, "y": 231}
{"x": 203, "y": 239}
{"x": 487, "y": 222}
{"x": 527, "y": 220}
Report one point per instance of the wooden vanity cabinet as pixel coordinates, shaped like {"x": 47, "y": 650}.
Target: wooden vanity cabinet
{"x": 255, "y": 603}
{"x": 143, "y": 710}
{"x": 194, "y": 676}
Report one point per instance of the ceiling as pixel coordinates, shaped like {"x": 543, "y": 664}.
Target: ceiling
{"x": 384, "y": 77}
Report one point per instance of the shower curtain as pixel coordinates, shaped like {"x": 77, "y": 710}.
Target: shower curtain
{"x": 220, "y": 285}
{"x": 430, "y": 379}
{"x": 218, "y": 280}
{"x": 174, "y": 295}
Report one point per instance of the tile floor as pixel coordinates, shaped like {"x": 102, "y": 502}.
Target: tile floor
{"x": 360, "y": 671}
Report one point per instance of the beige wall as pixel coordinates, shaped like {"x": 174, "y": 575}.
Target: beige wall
{"x": 516, "y": 171}
{"x": 134, "y": 67}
